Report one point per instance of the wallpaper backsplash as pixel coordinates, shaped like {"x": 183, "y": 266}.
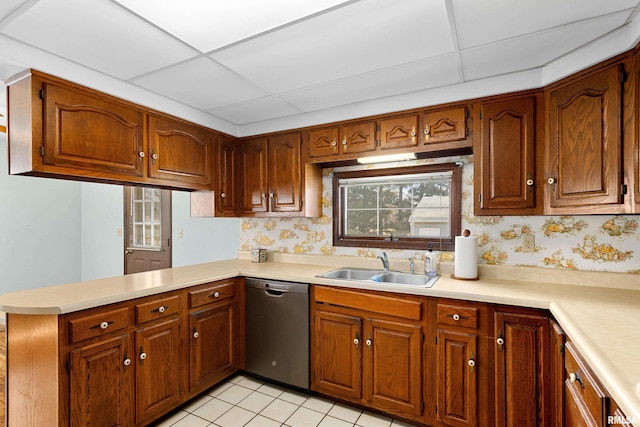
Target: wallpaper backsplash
{"x": 596, "y": 242}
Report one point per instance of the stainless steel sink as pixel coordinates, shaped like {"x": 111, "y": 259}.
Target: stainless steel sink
{"x": 379, "y": 276}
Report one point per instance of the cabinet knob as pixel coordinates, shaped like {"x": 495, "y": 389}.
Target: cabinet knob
{"x": 161, "y": 309}
{"x": 141, "y": 154}
{"x": 216, "y": 294}
{"x": 574, "y": 376}
{"x": 529, "y": 182}
{"x": 272, "y": 195}
{"x": 456, "y": 317}
{"x": 104, "y": 325}
{"x": 500, "y": 342}
{"x": 413, "y": 134}
{"x": 356, "y": 341}
{"x": 471, "y": 363}
{"x": 143, "y": 356}
{"x": 264, "y": 196}
{"x": 127, "y": 362}
{"x": 551, "y": 180}
{"x": 223, "y": 195}
{"x": 196, "y": 334}
{"x": 344, "y": 141}
{"x": 334, "y": 143}
{"x": 368, "y": 342}
{"x": 427, "y": 133}
{"x": 154, "y": 156}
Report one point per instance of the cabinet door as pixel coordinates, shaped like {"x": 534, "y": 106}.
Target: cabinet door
{"x": 358, "y": 138}
{"x": 90, "y": 135}
{"x": 456, "y": 380}
{"x": 505, "y": 175}
{"x": 101, "y": 384}
{"x": 157, "y": 369}
{"x": 227, "y": 182}
{"x": 399, "y": 132}
{"x": 180, "y": 152}
{"x": 254, "y": 176}
{"x": 211, "y": 346}
{"x": 557, "y": 340}
{"x": 323, "y": 142}
{"x": 285, "y": 193}
{"x": 392, "y": 366}
{"x": 445, "y": 125}
{"x": 585, "y": 143}
{"x": 522, "y": 370}
{"x": 336, "y": 356}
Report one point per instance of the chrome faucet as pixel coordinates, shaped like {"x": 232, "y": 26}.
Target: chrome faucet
{"x": 385, "y": 261}
{"x": 411, "y": 268}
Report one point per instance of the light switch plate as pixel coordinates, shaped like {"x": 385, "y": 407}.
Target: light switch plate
{"x": 528, "y": 243}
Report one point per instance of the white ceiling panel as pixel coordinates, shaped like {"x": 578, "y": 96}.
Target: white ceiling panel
{"x": 99, "y": 35}
{"x": 201, "y": 83}
{"x": 9, "y": 68}
{"x": 354, "y": 39}
{"x": 255, "y": 110}
{"x": 532, "y": 50}
{"x": 424, "y": 74}
{"x": 208, "y": 25}
{"x": 487, "y": 21}
{"x": 8, "y": 6}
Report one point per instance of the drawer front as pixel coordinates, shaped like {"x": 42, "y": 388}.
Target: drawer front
{"x": 588, "y": 395}
{"x": 456, "y": 315}
{"x": 157, "y": 309}
{"x": 98, "y": 324}
{"x": 217, "y": 291}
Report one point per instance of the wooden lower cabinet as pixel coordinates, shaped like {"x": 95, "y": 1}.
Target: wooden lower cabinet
{"x": 367, "y": 348}
{"x": 101, "y": 383}
{"x": 521, "y": 368}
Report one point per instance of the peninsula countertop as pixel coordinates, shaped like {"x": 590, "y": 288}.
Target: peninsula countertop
{"x": 599, "y": 311}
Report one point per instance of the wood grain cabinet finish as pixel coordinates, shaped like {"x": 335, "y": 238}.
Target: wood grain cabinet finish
{"x": 285, "y": 191}
{"x": 63, "y": 130}
{"x": 180, "y": 152}
{"x": 448, "y": 125}
{"x": 367, "y": 348}
{"x": 505, "y": 175}
{"x": 226, "y": 186}
{"x": 521, "y": 369}
{"x": 334, "y": 142}
{"x": 584, "y": 159}
{"x": 399, "y": 132}
{"x": 254, "y": 175}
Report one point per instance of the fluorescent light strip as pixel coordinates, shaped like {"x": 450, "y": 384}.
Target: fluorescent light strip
{"x": 387, "y": 158}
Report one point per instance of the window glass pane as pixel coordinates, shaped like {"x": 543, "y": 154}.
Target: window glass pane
{"x": 363, "y": 222}
{"x": 146, "y": 208}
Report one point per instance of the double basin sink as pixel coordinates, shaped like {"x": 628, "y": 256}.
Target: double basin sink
{"x": 380, "y": 276}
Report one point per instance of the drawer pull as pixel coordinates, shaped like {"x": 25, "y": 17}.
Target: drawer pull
{"x": 471, "y": 363}
{"x": 102, "y": 325}
{"x": 160, "y": 309}
{"x": 356, "y": 341}
{"x": 500, "y": 342}
{"x": 196, "y": 334}
{"x": 127, "y": 362}
{"x": 456, "y": 317}
{"x": 215, "y": 294}
{"x": 574, "y": 376}
{"x": 368, "y": 342}
{"x": 143, "y": 356}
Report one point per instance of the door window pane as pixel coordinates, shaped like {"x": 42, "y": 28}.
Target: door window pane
{"x": 146, "y": 216}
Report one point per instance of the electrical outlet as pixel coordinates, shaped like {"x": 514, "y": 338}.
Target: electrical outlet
{"x": 180, "y": 234}
{"x": 528, "y": 243}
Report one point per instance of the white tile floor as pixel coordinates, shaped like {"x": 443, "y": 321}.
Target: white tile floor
{"x": 245, "y": 401}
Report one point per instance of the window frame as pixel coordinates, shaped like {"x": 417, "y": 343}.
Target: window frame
{"x": 395, "y": 242}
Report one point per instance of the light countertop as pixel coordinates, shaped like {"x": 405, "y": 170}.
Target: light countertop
{"x": 600, "y": 312}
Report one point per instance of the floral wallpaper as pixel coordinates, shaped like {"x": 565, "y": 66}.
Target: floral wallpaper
{"x": 595, "y": 242}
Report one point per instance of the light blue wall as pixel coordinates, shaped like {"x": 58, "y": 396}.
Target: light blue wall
{"x": 39, "y": 230}
{"x": 204, "y": 239}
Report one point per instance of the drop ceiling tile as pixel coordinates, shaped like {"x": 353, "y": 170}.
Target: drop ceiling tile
{"x": 208, "y": 25}
{"x": 9, "y": 68}
{"x": 358, "y": 38}
{"x": 481, "y": 22}
{"x": 255, "y": 110}
{"x": 99, "y": 35}
{"x": 536, "y": 49}
{"x": 8, "y": 6}
{"x": 419, "y": 75}
{"x": 201, "y": 83}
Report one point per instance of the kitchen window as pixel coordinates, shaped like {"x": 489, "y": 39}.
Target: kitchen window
{"x": 399, "y": 208}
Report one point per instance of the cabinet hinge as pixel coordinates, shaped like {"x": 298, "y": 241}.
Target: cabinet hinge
{"x": 436, "y": 340}
{"x": 622, "y": 74}
{"x": 466, "y": 131}
{"x": 624, "y": 189}
{"x": 562, "y": 349}
{"x": 42, "y": 150}
{"x": 68, "y": 364}
{"x": 41, "y": 93}
{"x": 466, "y": 113}
{"x": 301, "y": 203}
{"x": 168, "y": 242}
{"x": 422, "y": 406}
{"x": 480, "y": 115}
{"x": 436, "y": 409}
{"x": 479, "y": 197}
{"x": 421, "y": 336}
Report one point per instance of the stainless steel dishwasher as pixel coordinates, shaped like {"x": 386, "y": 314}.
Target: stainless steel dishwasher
{"x": 277, "y": 331}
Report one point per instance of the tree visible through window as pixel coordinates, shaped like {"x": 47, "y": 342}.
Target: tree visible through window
{"x": 399, "y": 208}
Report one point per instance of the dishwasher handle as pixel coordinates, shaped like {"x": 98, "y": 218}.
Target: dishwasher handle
{"x": 275, "y": 293}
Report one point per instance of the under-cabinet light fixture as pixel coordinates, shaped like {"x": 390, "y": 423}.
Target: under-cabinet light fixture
{"x": 387, "y": 158}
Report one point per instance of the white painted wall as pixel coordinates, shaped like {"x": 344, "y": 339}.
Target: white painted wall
{"x": 39, "y": 230}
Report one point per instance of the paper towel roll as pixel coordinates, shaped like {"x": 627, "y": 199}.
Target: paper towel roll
{"x": 466, "y": 260}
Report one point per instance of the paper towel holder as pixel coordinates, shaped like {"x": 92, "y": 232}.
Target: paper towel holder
{"x": 465, "y": 233}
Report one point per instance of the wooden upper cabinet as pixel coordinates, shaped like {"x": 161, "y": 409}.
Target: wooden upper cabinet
{"x": 344, "y": 140}
{"x": 180, "y": 152}
{"x": 86, "y": 134}
{"x": 505, "y": 175}
{"x": 254, "y": 175}
{"x": 284, "y": 173}
{"x": 445, "y": 125}
{"x": 226, "y": 193}
{"x": 399, "y": 132}
{"x": 584, "y": 159}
